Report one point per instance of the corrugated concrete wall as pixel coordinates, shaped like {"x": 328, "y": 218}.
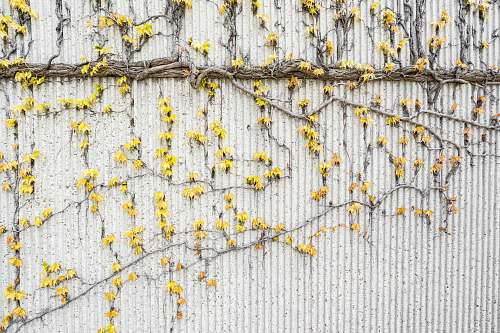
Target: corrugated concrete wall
{"x": 374, "y": 270}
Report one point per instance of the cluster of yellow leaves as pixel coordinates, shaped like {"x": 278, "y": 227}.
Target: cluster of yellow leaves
{"x": 393, "y": 121}
{"x": 427, "y": 213}
{"x": 221, "y": 224}
{"x": 23, "y": 7}
{"x": 162, "y": 214}
{"x": 225, "y": 154}
{"x": 108, "y": 240}
{"x": 53, "y": 278}
{"x": 133, "y": 144}
{"x": 353, "y": 208}
{"x": 135, "y": 240}
{"x": 209, "y": 86}
{"x": 309, "y": 133}
{"x": 6, "y": 63}
{"x": 307, "y": 67}
{"x": 83, "y": 103}
{"x": 482, "y": 6}
{"x": 218, "y": 130}
{"x": 115, "y": 181}
{"x": 199, "y": 233}
{"x": 320, "y": 194}
{"x": 200, "y": 47}
{"x": 229, "y": 198}
{"x": 259, "y": 223}
{"x": 82, "y": 129}
{"x": 227, "y": 4}
{"x": 438, "y": 166}
{"x": 262, "y": 157}
{"x": 260, "y": 90}
{"x": 421, "y": 64}
{"x": 421, "y": 135}
{"x": 308, "y": 249}
{"x": 311, "y": 6}
{"x": 123, "y": 85}
{"x": 263, "y": 18}
{"x": 114, "y": 18}
{"x": 274, "y": 173}
{"x": 193, "y": 192}
{"x": 11, "y": 122}
{"x": 399, "y": 163}
{"x": 90, "y": 70}
{"x": 366, "y": 72}
{"x": 108, "y": 329}
{"x": 88, "y": 179}
{"x": 478, "y": 107}
{"x": 174, "y": 287}
{"x": 197, "y": 137}
{"x": 27, "y": 177}
{"x": 11, "y": 293}
{"x": 389, "y": 20}
{"x": 28, "y": 79}
{"x": 167, "y": 160}
{"x": 303, "y": 103}
{"x": 241, "y": 217}
{"x": 186, "y": 3}
{"x": 436, "y": 41}
{"x": 38, "y": 220}
{"x": 362, "y": 113}
{"x": 129, "y": 208}
{"x": 7, "y": 22}
{"x": 121, "y": 157}
{"x": 324, "y": 167}
{"x": 237, "y": 63}
{"x": 193, "y": 176}
{"x": 96, "y": 199}
{"x": 145, "y": 30}
{"x": 255, "y": 181}
{"x": 294, "y": 82}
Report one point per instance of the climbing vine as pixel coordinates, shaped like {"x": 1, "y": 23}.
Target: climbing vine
{"x": 204, "y": 169}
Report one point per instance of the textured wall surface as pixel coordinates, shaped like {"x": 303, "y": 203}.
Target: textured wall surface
{"x": 406, "y": 237}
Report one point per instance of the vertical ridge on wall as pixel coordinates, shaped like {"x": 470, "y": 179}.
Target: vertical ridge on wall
{"x": 397, "y": 273}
